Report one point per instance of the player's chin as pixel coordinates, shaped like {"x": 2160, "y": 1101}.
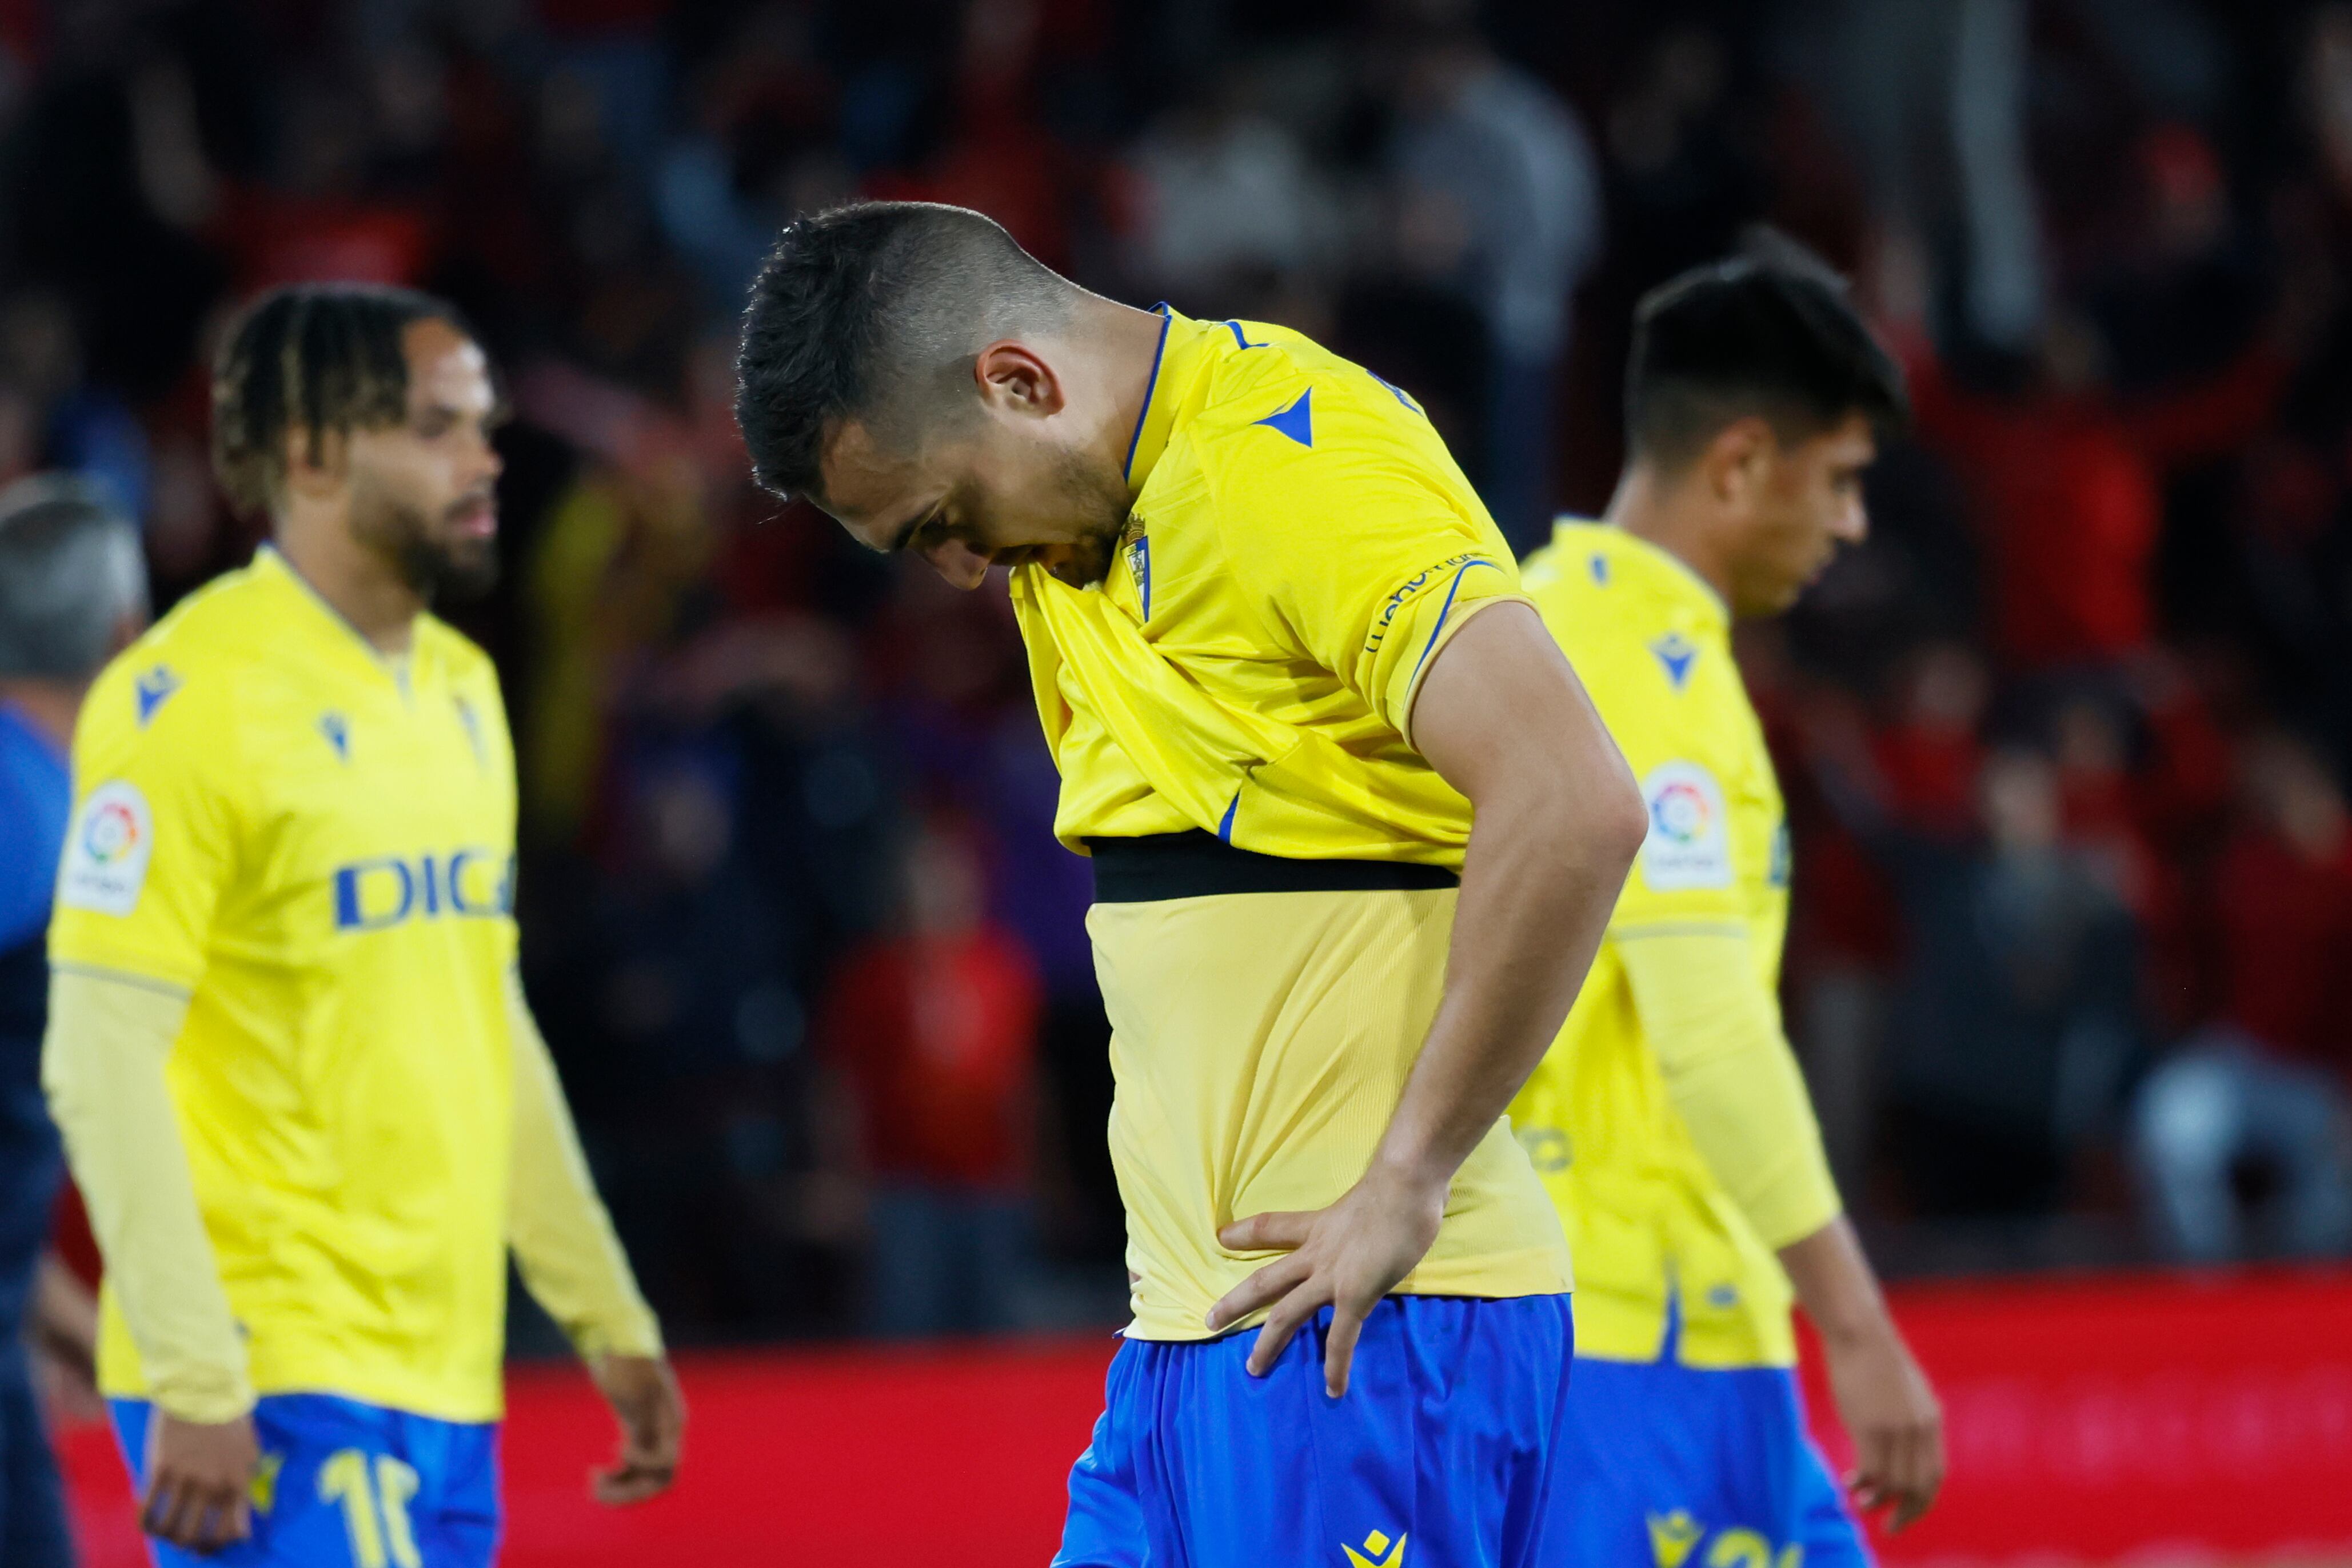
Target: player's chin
{"x": 467, "y": 569}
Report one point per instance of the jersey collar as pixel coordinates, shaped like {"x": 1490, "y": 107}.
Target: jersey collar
{"x": 1182, "y": 347}
{"x": 269, "y": 560}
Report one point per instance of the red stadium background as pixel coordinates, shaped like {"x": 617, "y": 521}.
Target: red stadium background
{"x": 2198, "y": 1418}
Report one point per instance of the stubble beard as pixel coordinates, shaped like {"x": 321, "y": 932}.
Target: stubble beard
{"x": 444, "y": 570}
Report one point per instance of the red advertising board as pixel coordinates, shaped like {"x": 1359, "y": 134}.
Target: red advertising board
{"x": 2184, "y": 1419}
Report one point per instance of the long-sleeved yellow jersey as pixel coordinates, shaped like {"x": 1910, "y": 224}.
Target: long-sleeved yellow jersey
{"x": 1669, "y": 1120}
{"x": 314, "y": 846}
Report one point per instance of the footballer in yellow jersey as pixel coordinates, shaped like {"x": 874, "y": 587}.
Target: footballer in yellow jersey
{"x": 287, "y": 1048}
{"x": 1348, "y": 872}
{"x": 1670, "y": 1120}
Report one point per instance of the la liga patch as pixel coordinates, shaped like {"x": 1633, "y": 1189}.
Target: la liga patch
{"x": 108, "y": 850}
{"x": 1689, "y": 844}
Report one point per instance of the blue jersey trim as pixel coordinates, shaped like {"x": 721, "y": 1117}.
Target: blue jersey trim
{"x": 1225, "y": 828}
{"x": 1444, "y": 610}
{"x": 1151, "y": 389}
{"x": 1237, "y": 328}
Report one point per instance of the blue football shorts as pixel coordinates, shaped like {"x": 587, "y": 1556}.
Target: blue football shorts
{"x": 1438, "y": 1456}
{"x": 1673, "y": 1466}
{"x": 347, "y": 1485}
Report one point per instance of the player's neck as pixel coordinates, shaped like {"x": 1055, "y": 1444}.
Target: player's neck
{"x": 49, "y": 706}
{"x": 1653, "y": 507}
{"x": 356, "y": 582}
{"x": 1124, "y": 351}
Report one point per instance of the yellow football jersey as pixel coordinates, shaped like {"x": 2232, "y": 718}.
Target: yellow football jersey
{"x": 1300, "y": 549}
{"x": 1647, "y": 1219}
{"x": 316, "y": 845}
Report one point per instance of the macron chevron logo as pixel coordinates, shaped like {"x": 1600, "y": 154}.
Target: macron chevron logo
{"x": 1675, "y": 654}
{"x": 1374, "y": 1545}
{"x": 1296, "y": 422}
{"x": 337, "y": 732}
{"x": 153, "y": 690}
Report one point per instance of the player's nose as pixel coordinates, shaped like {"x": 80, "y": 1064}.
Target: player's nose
{"x": 1852, "y": 523}
{"x": 962, "y": 565}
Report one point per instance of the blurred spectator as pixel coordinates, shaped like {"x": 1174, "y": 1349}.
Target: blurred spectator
{"x": 2266, "y": 1082}
{"x": 2067, "y": 484}
{"x": 934, "y": 1031}
{"x": 1500, "y": 196}
{"x": 2016, "y": 1014}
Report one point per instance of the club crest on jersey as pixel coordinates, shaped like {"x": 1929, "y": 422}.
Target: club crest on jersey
{"x": 107, "y": 850}
{"x": 1375, "y": 1544}
{"x": 1676, "y": 654}
{"x": 1689, "y": 844}
{"x": 1138, "y": 566}
{"x": 338, "y": 731}
{"x": 153, "y": 690}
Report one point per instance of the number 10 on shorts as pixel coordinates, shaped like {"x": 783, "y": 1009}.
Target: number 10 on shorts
{"x": 375, "y": 1507}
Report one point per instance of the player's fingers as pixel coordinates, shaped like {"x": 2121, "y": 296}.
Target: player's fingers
{"x": 1280, "y": 1326}
{"x": 155, "y": 1508}
{"x": 1266, "y": 1232}
{"x": 1267, "y": 1286}
{"x": 1340, "y": 1347}
{"x": 631, "y": 1484}
{"x": 183, "y": 1512}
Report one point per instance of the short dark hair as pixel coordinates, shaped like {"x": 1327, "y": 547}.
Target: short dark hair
{"x": 1772, "y": 336}
{"x": 859, "y": 308}
{"x": 312, "y": 357}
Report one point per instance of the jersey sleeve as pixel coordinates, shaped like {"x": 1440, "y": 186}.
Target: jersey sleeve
{"x": 1684, "y": 756}
{"x": 1351, "y": 546}
{"x": 159, "y": 809}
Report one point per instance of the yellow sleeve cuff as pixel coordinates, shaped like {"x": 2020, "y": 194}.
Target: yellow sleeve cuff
{"x": 562, "y": 1238}
{"x": 102, "y": 1066}
{"x": 1716, "y": 1032}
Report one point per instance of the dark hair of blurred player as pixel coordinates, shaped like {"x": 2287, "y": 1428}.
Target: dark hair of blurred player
{"x": 1754, "y": 398}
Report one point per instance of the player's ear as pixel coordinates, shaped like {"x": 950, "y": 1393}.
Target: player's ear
{"x": 1014, "y": 377}
{"x": 314, "y": 460}
{"x": 1733, "y": 465}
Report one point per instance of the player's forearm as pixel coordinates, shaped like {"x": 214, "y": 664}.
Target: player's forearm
{"x": 1835, "y": 1284}
{"x": 563, "y": 1237}
{"x": 102, "y": 1065}
{"x": 1557, "y": 820}
{"x": 1534, "y": 903}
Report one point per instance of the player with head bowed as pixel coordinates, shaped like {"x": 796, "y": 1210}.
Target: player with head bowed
{"x": 1354, "y": 832}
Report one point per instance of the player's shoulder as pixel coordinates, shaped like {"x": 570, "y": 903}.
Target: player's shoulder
{"x": 182, "y": 675}
{"x": 1276, "y": 397}
{"x": 1645, "y": 635}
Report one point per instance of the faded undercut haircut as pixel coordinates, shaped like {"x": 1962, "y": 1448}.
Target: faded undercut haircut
{"x": 71, "y": 573}
{"x": 312, "y": 358}
{"x": 873, "y": 312}
{"x": 1770, "y": 335}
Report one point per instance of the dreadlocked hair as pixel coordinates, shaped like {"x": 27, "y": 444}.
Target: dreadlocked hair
{"x": 310, "y": 358}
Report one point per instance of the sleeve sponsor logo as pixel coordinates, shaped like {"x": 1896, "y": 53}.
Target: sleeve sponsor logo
{"x": 1409, "y": 588}
{"x": 1689, "y": 846}
{"x": 108, "y": 850}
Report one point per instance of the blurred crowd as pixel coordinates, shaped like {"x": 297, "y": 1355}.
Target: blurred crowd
{"x": 2063, "y": 742}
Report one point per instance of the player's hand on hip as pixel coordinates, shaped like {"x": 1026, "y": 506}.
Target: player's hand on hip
{"x": 1346, "y": 1257}
{"x": 1895, "y": 1421}
{"x": 642, "y": 1393}
{"x": 200, "y": 1483}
